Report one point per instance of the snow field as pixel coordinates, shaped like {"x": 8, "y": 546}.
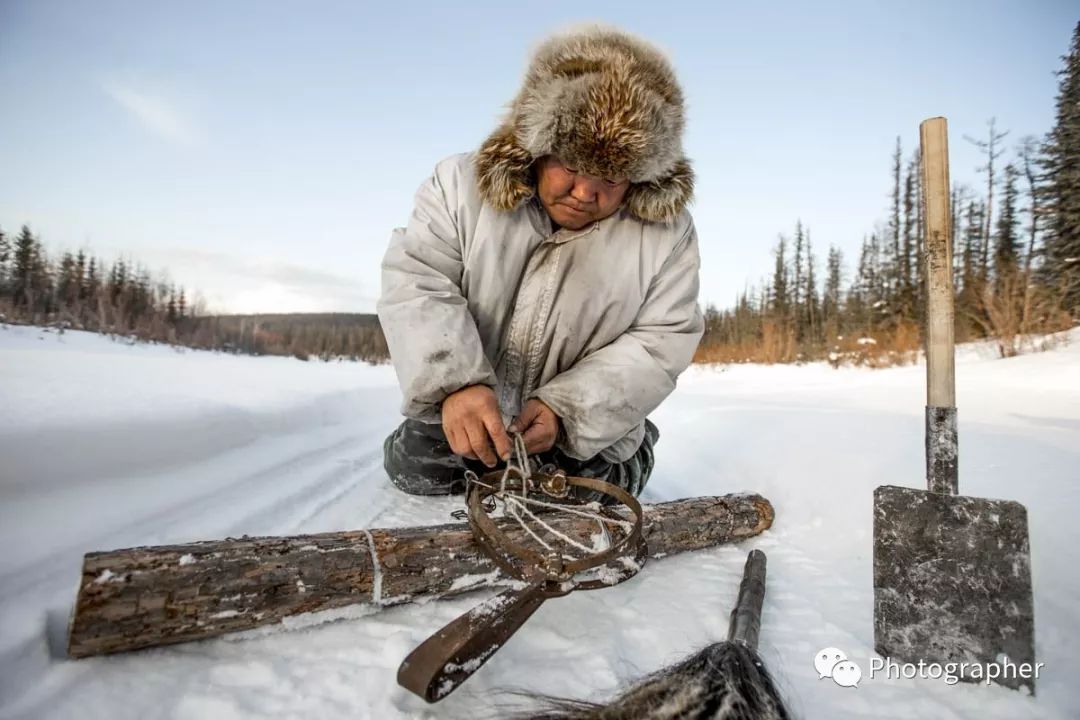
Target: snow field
{"x": 106, "y": 445}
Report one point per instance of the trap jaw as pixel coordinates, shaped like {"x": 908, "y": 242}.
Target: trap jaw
{"x": 523, "y": 563}
{"x": 448, "y": 658}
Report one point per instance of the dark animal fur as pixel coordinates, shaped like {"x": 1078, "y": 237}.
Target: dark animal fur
{"x": 724, "y": 681}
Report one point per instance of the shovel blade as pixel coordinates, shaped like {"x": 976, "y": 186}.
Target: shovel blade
{"x": 952, "y": 583}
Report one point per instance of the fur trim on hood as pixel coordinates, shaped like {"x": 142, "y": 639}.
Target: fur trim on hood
{"x": 604, "y": 102}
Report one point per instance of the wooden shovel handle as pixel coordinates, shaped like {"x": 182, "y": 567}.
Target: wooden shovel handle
{"x": 940, "y": 366}
{"x": 941, "y": 430}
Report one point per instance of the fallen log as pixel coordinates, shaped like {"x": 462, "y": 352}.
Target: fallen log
{"x": 148, "y": 596}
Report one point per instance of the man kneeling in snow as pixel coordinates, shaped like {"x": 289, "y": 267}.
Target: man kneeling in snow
{"x": 549, "y": 279}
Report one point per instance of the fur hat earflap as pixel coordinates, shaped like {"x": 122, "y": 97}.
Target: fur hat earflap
{"x": 604, "y": 102}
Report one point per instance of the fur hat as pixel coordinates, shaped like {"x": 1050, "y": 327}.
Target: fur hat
{"x": 604, "y": 102}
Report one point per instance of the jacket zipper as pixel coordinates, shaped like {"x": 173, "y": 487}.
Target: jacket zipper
{"x": 522, "y": 343}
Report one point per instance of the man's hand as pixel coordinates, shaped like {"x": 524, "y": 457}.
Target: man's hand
{"x": 471, "y": 421}
{"x": 538, "y": 424}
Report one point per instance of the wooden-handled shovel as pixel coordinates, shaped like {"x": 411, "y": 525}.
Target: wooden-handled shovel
{"x": 952, "y": 574}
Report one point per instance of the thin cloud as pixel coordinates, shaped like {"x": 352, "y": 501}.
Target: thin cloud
{"x": 238, "y": 284}
{"x": 154, "y": 112}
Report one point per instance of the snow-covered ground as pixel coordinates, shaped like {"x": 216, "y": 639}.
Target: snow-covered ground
{"x": 106, "y": 445}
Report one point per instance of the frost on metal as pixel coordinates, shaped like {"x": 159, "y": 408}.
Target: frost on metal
{"x": 471, "y": 666}
{"x": 952, "y": 579}
{"x": 942, "y": 450}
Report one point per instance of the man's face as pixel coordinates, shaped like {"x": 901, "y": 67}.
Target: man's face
{"x": 573, "y": 199}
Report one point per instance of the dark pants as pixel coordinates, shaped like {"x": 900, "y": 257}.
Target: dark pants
{"x": 419, "y": 461}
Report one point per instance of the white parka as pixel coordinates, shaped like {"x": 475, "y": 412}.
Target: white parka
{"x": 598, "y": 323}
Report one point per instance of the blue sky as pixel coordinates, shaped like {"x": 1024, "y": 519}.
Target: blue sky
{"x": 261, "y": 152}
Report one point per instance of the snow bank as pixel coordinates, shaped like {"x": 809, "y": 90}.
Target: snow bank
{"x": 106, "y": 445}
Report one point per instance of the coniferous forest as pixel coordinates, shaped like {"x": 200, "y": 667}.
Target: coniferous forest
{"x": 1016, "y": 252}
{"x": 80, "y": 291}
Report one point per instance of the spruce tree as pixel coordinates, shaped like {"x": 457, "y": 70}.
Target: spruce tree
{"x": 66, "y": 285}
{"x": 5, "y": 256}
{"x": 780, "y": 282}
{"x": 93, "y": 280}
{"x": 810, "y": 299}
{"x": 1007, "y": 237}
{"x": 1028, "y": 153}
{"x": 830, "y": 300}
{"x": 80, "y": 276}
{"x": 1061, "y": 192}
{"x": 907, "y": 245}
{"x": 865, "y": 299}
{"x": 22, "y": 271}
{"x": 971, "y": 284}
{"x": 797, "y": 287}
{"x": 41, "y": 287}
{"x": 893, "y": 266}
{"x": 170, "y": 307}
{"x": 118, "y": 282}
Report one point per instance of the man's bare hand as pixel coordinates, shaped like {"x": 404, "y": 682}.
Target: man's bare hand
{"x": 538, "y": 425}
{"x": 472, "y": 421}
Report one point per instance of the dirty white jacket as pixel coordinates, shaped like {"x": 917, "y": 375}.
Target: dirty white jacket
{"x": 598, "y": 323}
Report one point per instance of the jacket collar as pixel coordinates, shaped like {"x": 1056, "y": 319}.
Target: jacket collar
{"x": 544, "y": 226}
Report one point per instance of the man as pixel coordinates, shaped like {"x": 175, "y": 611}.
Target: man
{"x": 547, "y": 284}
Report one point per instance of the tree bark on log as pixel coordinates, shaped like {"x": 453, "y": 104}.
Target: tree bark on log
{"x": 149, "y": 596}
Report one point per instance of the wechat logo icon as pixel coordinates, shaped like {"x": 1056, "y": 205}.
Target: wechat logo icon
{"x": 833, "y": 663}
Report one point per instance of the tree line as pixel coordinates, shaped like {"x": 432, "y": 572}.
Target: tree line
{"x": 80, "y": 291}
{"x": 1016, "y": 260}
